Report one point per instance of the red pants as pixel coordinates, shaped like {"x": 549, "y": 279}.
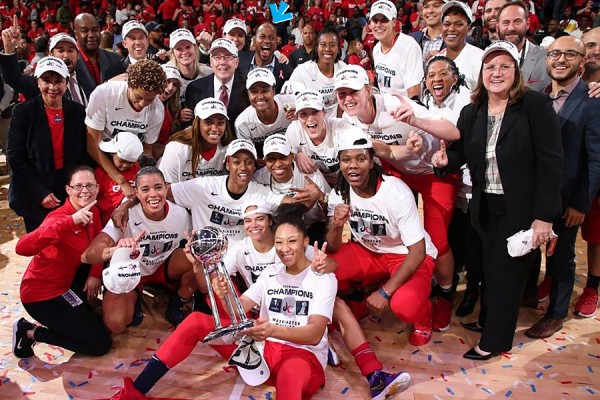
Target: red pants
{"x": 295, "y": 373}
{"x": 359, "y": 266}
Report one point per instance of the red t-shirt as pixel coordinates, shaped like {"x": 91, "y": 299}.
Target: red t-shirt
{"x": 168, "y": 9}
{"x": 109, "y": 191}
{"x": 53, "y": 29}
{"x": 56, "y": 121}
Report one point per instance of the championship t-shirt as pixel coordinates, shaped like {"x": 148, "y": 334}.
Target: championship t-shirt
{"x": 401, "y": 67}
{"x": 469, "y": 62}
{"x": 388, "y": 222}
{"x": 289, "y": 301}
{"x": 176, "y": 162}
{"x": 109, "y": 111}
{"x": 161, "y": 238}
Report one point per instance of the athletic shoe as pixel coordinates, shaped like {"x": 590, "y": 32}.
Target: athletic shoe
{"x": 22, "y": 345}
{"x": 387, "y": 386}
{"x": 421, "y": 331}
{"x": 586, "y": 304}
{"x": 138, "y": 314}
{"x": 128, "y": 392}
{"x": 332, "y": 357}
{"x": 544, "y": 289}
{"x": 174, "y": 312}
{"x": 442, "y": 311}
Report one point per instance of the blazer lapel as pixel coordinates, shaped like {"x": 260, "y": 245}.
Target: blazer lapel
{"x": 510, "y": 116}
{"x": 573, "y": 101}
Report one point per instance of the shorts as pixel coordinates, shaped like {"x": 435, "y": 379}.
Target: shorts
{"x": 161, "y": 277}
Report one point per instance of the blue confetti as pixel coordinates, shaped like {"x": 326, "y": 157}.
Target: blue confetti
{"x": 508, "y": 394}
{"x": 415, "y": 352}
{"x": 488, "y": 391}
{"x": 83, "y": 383}
{"x": 533, "y": 388}
{"x": 590, "y": 369}
{"x": 72, "y": 384}
{"x": 429, "y": 358}
{"x": 539, "y": 375}
{"x": 345, "y": 389}
{"x": 548, "y": 366}
{"x": 589, "y": 390}
{"x": 520, "y": 345}
{"x": 119, "y": 366}
{"x": 449, "y": 390}
{"x": 464, "y": 371}
{"x": 507, "y": 366}
{"x": 483, "y": 371}
{"x": 251, "y": 398}
{"x": 268, "y": 396}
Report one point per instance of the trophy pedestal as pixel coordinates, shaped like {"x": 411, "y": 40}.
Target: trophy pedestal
{"x": 226, "y": 330}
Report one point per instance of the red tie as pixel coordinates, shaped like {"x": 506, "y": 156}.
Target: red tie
{"x": 224, "y": 97}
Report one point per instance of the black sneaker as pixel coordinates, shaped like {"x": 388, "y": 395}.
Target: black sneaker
{"x": 386, "y": 385}
{"x": 22, "y": 345}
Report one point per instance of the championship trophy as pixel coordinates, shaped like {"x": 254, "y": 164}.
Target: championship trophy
{"x": 208, "y": 247}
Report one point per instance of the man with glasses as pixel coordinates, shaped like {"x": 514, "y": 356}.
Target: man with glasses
{"x": 226, "y": 83}
{"x": 580, "y": 124}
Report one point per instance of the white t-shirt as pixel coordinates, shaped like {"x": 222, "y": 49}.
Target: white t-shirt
{"x": 248, "y": 125}
{"x": 243, "y": 257}
{"x": 387, "y": 130}
{"x": 298, "y": 180}
{"x": 208, "y": 199}
{"x": 161, "y": 239}
{"x": 109, "y": 111}
{"x": 325, "y": 155}
{"x": 289, "y": 301}
{"x": 388, "y": 222}
{"x": 401, "y": 67}
{"x": 176, "y": 162}
{"x": 469, "y": 62}
{"x": 310, "y": 75}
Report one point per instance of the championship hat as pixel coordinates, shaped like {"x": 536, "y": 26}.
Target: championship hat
{"x": 239, "y": 145}
{"x": 276, "y": 143}
{"x": 354, "y": 138}
{"x": 223, "y": 43}
{"x": 210, "y": 106}
{"x": 234, "y": 23}
{"x": 51, "y": 64}
{"x": 126, "y": 145}
{"x": 123, "y": 274}
{"x": 172, "y": 73}
{"x": 260, "y": 75}
{"x": 521, "y": 242}
{"x": 61, "y": 37}
{"x": 131, "y": 25}
{"x": 351, "y": 76}
{"x": 181, "y": 34}
{"x": 463, "y": 7}
{"x": 501, "y": 45}
{"x": 309, "y": 99}
{"x": 385, "y": 8}
{"x": 249, "y": 360}
{"x": 262, "y": 207}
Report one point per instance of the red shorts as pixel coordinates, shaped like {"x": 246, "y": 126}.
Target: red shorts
{"x": 161, "y": 277}
{"x": 590, "y": 229}
{"x": 359, "y": 266}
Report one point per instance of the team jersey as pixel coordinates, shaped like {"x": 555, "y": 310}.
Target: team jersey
{"x": 289, "y": 301}
{"x": 109, "y": 192}
{"x": 311, "y": 76}
{"x": 176, "y": 162}
{"x": 211, "y": 204}
{"x": 109, "y": 111}
{"x": 401, "y": 67}
{"x": 243, "y": 258}
{"x": 387, "y": 130}
{"x": 324, "y": 155}
{"x": 385, "y": 226}
{"x": 468, "y": 62}
{"x": 299, "y": 181}
{"x": 161, "y": 238}
{"x": 248, "y": 126}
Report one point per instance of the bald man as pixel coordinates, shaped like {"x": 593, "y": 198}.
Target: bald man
{"x": 580, "y": 125}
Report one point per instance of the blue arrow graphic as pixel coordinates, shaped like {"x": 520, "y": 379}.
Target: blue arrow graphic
{"x": 280, "y": 15}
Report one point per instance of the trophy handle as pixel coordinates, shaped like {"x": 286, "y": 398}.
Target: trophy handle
{"x": 211, "y": 296}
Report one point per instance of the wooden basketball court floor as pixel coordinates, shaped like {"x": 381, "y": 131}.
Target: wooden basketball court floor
{"x": 566, "y": 366}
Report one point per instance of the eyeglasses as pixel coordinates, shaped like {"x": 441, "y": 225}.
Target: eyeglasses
{"x": 79, "y": 187}
{"x": 223, "y": 58}
{"x": 504, "y": 68}
{"x": 570, "y": 55}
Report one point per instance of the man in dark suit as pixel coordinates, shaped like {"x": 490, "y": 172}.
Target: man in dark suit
{"x": 264, "y": 56}
{"x": 304, "y": 52}
{"x": 93, "y": 62}
{"x": 227, "y": 83}
{"x": 580, "y": 126}
{"x": 135, "y": 40}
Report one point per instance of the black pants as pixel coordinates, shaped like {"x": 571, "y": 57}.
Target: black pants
{"x": 73, "y": 328}
{"x": 466, "y": 246}
{"x": 504, "y": 277}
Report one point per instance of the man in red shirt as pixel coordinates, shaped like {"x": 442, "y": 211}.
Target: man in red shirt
{"x": 289, "y": 47}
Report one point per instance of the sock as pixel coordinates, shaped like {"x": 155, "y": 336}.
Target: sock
{"x": 593, "y": 281}
{"x": 446, "y": 292}
{"x": 154, "y": 370}
{"x": 366, "y": 360}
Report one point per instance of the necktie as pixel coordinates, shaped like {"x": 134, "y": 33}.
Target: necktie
{"x": 224, "y": 96}
{"x": 74, "y": 89}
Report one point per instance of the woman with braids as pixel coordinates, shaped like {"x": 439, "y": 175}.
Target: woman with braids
{"x": 390, "y": 247}
{"x": 406, "y": 154}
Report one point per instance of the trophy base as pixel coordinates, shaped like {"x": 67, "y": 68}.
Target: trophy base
{"x": 226, "y": 330}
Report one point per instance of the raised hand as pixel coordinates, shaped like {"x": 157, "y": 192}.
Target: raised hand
{"x": 84, "y": 216}
{"x": 318, "y": 263}
{"x": 309, "y": 194}
{"x": 341, "y": 214}
{"x": 305, "y": 164}
{"x": 11, "y": 36}
{"x": 414, "y": 142}
{"x": 404, "y": 112}
{"x": 440, "y": 157}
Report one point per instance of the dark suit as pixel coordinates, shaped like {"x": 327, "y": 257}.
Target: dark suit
{"x": 580, "y": 127}
{"x": 282, "y": 72}
{"x": 204, "y": 87}
{"x": 117, "y": 68}
{"x": 31, "y": 157}
{"x": 529, "y": 156}
{"x": 106, "y": 60}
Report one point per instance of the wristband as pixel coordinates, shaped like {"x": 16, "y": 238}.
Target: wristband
{"x": 384, "y": 293}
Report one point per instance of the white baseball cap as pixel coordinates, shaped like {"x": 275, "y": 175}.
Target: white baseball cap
{"x": 501, "y": 45}
{"x": 241, "y": 145}
{"x": 131, "y": 25}
{"x": 385, "y": 8}
{"x": 61, "y": 37}
{"x": 276, "y": 143}
{"x": 126, "y": 145}
{"x": 234, "y": 23}
{"x": 351, "y": 76}
{"x": 123, "y": 274}
{"x": 262, "y": 207}
{"x": 455, "y": 3}
{"x": 172, "y": 73}
{"x": 353, "y": 138}
{"x": 223, "y": 43}
{"x": 51, "y": 64}
{"x": 208, "y": 107}
{"x": 248, "y": 357}
{"x": 521, "y": 243}
{"x": 181, "y": 34}
{"x": 309, "y": 99}
{"x": 260, "y": 75}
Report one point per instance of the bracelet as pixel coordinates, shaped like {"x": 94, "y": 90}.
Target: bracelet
{"x": 384, "y": 293}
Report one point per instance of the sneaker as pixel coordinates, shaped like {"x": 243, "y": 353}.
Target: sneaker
{"x": 174, "y": 313}
{"x": 387, "y": 386}
{"x": 442, "y": 310}
{"x": 22, "y": 345}
{"x": 544, "y": 289}
{"x": 332, "y": 357}
{"x": 138, "y": 314}
{"x": 586, "y": 304}
{"x": 128, "y": 392}
{"x": 420, "y": 334}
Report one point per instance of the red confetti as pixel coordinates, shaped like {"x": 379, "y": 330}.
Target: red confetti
{"x": 566, "y": 382}
{"x": 28, "y": 393}
{"x": 598, "y": 340}
{"x": 378, "y": 339}
{"x": 228, "y": 369}
{"x": 90, "y": 375}
{"x": 461, "y": 340}
{"x": 444, "y": 377}
{"x": 150, "y": 349}
{"x": 157, "y": 340}
{"x": 560, "y": 338}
